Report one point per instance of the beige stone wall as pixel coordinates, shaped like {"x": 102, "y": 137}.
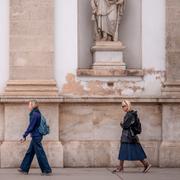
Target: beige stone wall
{"x": 14, "y": 123}
{"x": 171, "y": 136}
{"x": 1, "y": 122}
{"x": 86, "y": 132}
{"x": 91, "y": 133}
{"x": 16, "y": 116}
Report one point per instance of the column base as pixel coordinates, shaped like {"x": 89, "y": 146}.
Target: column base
{"x": 171, "y": 89}
{"x": 31, "y": 88}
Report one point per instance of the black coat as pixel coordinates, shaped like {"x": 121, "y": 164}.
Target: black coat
{"x": 127, "y": 135}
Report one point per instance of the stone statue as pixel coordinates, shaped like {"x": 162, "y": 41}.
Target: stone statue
{"x": 106, "y": 16}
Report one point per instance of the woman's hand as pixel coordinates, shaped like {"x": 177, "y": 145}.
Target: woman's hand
{"x": 22, "y": 140}
{"x": 121, "y": 123}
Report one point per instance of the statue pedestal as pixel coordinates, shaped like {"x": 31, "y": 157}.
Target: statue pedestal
{"x": 108, "y": 55}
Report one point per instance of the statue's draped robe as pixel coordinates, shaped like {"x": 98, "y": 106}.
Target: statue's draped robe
{"x": 106, "y": 16}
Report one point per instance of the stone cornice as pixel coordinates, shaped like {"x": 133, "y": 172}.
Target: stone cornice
{"x": 110, "y": 72}
{"x": 83, "y": 99}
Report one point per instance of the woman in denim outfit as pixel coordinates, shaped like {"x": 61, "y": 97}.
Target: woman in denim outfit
{"x": 35, "y": 146}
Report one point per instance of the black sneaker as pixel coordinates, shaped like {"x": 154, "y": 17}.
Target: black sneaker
{"x": 46, "y": 174}
{"x": 22, "y": 172}
{"x": 147, "y": 168}
{"x": 117, "y": 170}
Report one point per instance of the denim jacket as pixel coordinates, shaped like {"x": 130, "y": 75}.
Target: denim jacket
{"x": 34, "y": 123}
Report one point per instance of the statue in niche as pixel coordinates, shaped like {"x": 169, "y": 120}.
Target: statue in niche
{"x": 107, "y": 15}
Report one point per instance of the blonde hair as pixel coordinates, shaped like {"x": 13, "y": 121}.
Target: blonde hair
{"x": 127, "y": 103}
{"x": 34, "y": 103}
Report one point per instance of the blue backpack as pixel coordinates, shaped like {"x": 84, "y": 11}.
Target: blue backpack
{"x": 44, "y": 127}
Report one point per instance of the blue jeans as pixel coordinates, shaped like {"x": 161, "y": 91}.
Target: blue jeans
{"x": 36, "y": 147}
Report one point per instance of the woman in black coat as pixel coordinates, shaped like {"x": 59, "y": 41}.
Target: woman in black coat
{"x": 131, "y": 149}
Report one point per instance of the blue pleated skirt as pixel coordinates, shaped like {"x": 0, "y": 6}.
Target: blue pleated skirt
{"x": 131, "y": 152}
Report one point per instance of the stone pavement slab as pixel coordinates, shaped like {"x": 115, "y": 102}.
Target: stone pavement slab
{"x": 93, "y": 174}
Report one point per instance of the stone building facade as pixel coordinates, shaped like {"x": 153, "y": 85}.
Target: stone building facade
{"x": 45, "y": 54}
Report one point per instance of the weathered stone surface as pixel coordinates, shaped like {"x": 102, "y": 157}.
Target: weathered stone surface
{"x": 76, "y": 122}
{"x": 35, "y": 28}
{"x": 32, "y": 43}
{"x": 152, "y": 151}
{"x": 1, "y": 122}
{"x": 172, "y": 86}
{"x": 95, "y": 130}
{"x": 106, "y": 121}
{"x": 31, "y": 46}
{"x": 150, "y": 116}
{"x": 31, "y": 88}
{"x": 171, "y": 122}
{"x": 78, "y": 154}
{"x": 115, "y": 87}
{"x": 12, "y": 157}
{"x": 31, "y": 73}
{"x": 90, "y": 132}
{"x": 93, "y": 87}
{"x": 108, "y": 55}
{"x": 16, "y": 120}
{"x": 173, "y": 64}
{"x": 91, "y": 99}
{"x": 87, "y": 122}
{"x": 103, "y": 153}
{"x": 51, "y": 112}
{"x": 110, "y": 72}
{"x": 29, "y": 59}
{"x": 169, "y": 154}
{"x": 36, "y": 10}
{"x": 91, "y": 154}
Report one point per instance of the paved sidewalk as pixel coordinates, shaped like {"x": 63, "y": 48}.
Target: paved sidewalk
{"x": 93, "y": 174}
